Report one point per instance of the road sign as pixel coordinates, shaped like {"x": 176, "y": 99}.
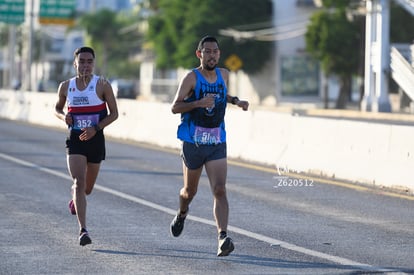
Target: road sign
{"x": 233, "y": 62}
{"x": 61, "y": 12}
{"x": 12, "y": 11}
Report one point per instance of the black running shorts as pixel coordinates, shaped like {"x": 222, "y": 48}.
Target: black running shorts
{"x": 195, "y": 156}
{"x": 93, "y": 149}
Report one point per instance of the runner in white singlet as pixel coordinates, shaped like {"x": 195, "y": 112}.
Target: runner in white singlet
{"x": 88, "y": 98}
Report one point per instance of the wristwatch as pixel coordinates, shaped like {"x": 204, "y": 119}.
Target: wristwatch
{"x": 234, "y": 100}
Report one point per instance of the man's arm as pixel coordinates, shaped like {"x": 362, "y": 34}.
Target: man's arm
{"x": 239, "y": 103}
{"x": 109, "y": 97}
{"x": 234, "y": 99}
{"x": 184, "y": 90}
{"x": 60, "y": 104}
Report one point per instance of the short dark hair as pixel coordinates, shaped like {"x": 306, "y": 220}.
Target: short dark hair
{"x": 84, "y": 50}
{"x": 207, "y": 38}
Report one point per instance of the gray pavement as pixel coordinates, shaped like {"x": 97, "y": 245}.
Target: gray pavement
{"x": 321, "y": 228}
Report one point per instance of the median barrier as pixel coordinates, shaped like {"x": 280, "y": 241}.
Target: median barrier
{"x": 373, "y": 153}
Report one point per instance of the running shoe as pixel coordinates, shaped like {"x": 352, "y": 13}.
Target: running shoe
{"x": 177, "y": 225}
{"x": 72, "y": 208}
{"x": 84, "y": 238}
{"x": 225, "y": 247}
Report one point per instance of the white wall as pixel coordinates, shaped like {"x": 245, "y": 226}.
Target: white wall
{"x": 369, "y": 153}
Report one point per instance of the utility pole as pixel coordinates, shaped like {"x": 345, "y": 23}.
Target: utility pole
{"x": 382, "y": 102}
{"x": 12, "y": 55}
{"x": 27, "y": 77}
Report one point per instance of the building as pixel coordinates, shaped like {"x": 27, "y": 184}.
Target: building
{"x": 51, "y": 60}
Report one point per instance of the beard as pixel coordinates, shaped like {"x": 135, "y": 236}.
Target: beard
{"x": 208, "y": 67}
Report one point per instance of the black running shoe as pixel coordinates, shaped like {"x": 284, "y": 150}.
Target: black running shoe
{"x": 84, "y": 238}
{"x": 225, "y": 247}
{"x": 177, "y": 225}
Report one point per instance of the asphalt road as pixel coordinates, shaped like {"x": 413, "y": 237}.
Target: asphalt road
{"x": 281, "y": 223}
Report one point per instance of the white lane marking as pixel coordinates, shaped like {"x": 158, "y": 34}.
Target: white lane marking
{"x": 260, "y": 237}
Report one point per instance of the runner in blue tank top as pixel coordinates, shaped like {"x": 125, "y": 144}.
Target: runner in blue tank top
{"x": 201, "y": 99}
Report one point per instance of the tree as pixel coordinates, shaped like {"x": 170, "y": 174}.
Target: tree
{"x": 335, "y": 42}
{"x": 177, "y": 26}
{"x": 401, "y": 25}
{"x": 109, "y": 34}
{"x": 4, "y": 34}
{"x": 4, "y": 37}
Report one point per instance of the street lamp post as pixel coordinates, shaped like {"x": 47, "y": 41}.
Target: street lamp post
{"x": 27, "y": 77}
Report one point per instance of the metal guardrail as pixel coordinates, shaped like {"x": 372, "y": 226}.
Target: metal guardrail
{"x": 402, "y": 72}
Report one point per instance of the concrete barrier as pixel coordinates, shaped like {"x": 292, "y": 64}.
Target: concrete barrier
{"x": 364, "y": 152}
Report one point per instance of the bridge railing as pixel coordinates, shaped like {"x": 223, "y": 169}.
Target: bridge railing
{"x": 401, "y": 69}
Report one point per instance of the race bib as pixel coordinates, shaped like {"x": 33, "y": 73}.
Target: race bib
{"x": 207, "y": 136}
{"x": 85, "y": 121}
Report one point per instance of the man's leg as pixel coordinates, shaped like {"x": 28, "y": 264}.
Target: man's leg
{"x": 77, "y": 168}
{"x": 189, "y": 190}
{"x": 217, "y": 174}
{"x": 91, "y": 176}
{"x": 187, "y": 193}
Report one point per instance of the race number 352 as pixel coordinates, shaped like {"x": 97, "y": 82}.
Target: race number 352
{"x": 85, "y": 121}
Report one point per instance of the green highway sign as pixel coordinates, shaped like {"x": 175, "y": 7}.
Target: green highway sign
{"x": 12, "y": 11}
{"x": 60, "y": 12}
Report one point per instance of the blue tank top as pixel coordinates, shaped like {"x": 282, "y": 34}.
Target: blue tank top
{"x": 205, "y": 125}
